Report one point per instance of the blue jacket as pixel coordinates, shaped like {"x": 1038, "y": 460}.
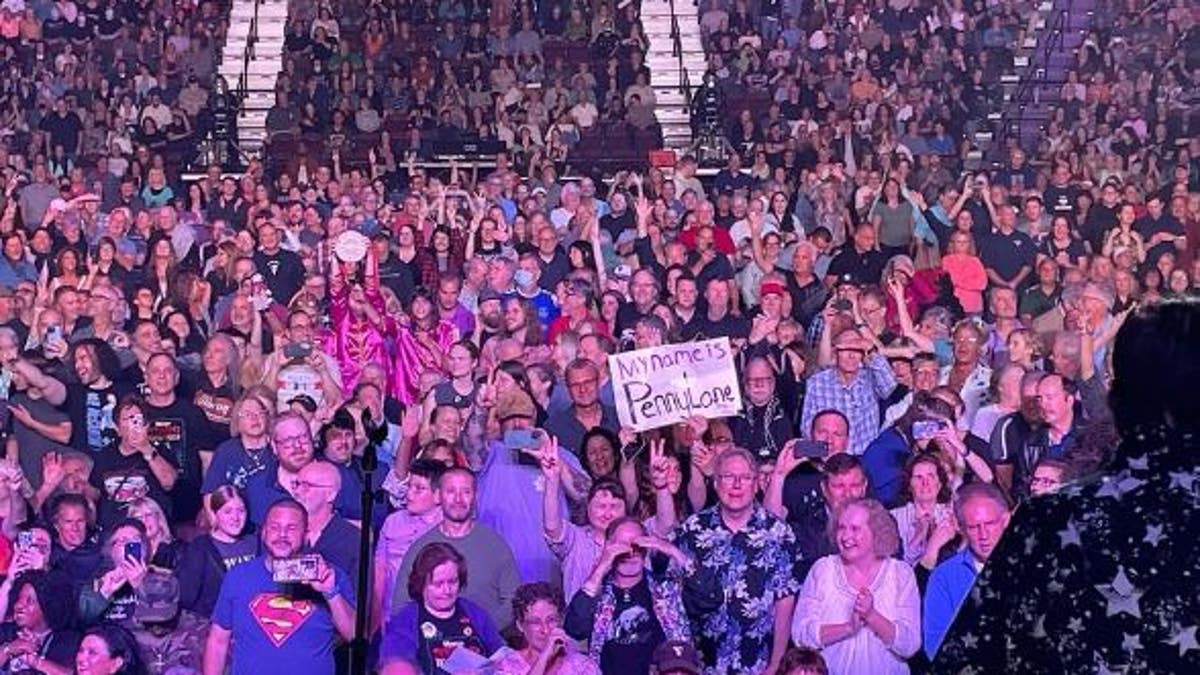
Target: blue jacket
{"x": 402, "y": 636}
{"x": 884, "y": 461}
{"x": 948, "y": 586}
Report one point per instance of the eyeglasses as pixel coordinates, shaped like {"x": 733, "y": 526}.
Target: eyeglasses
{"x": 582, "y": 383}
{"x": 308, "y": 485}
{"x": 293, "y": 441}
{"x": 736, "y": 478}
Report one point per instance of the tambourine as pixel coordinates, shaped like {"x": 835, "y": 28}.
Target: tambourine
{"x": 351, "y": 246}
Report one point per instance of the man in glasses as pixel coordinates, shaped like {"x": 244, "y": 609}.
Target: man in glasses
{"x": 292, "y": 442}
{"x": 754, "y": 555}
{"x": 316, "y": 487}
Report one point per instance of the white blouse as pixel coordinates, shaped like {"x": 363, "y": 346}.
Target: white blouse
{"x": 828, "y": 598}
{"x": 906, "y": 522}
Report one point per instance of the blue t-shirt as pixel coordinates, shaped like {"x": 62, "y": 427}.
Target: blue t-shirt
{"x": 510, "y": 502}
{"x": 232, "y": 465}
{"x": 277, "y": 628}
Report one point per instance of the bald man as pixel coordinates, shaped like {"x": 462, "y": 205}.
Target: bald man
{"x": 316, "y": 487}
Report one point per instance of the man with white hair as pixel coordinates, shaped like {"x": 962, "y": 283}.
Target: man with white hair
{"x": 754, "y": 554}
{"x": 982, "y": 514}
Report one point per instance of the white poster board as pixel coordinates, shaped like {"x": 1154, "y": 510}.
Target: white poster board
{"x": 659, "y": 386}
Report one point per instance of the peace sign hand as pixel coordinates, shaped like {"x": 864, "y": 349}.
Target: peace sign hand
{"x": 660, "y": 468}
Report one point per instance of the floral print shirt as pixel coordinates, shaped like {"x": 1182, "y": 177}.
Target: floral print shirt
{"x": 756, "y": 567}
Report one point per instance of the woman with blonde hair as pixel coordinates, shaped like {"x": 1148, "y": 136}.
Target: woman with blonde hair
{"x": 248, "y": 451}
{"x": 860, "y": 606}
{"x": 165, "y": 552}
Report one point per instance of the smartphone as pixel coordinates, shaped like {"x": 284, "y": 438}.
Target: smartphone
{"x": 811, "y": 449}
{"x": 54, "y": 333}
{"x": 923, "y": 430}
{"x": 523, "y": 439}
{"x": 300, "y": 569}
{"x": 297, "y": 350}
{"x": 842, "y": 305}
{"x": 631, "y": 452}
{"x": 24, "y": 540}
{"x": 133, "y": 551}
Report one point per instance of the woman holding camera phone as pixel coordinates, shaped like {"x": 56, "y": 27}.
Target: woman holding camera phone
{"x": 112, "y": 594}
{"x": 538, "y": 610}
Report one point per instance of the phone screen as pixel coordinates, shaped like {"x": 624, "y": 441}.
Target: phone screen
{"x": 811, "y": 449}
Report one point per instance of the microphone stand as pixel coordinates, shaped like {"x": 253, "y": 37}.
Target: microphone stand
{"x": 359, "y": 646}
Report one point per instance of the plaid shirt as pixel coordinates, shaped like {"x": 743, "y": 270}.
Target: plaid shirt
{"x": 859, "y": 401}
{"x": 427, "y": 261}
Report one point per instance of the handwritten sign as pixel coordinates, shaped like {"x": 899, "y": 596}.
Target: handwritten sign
{"x": 659, "y": 386}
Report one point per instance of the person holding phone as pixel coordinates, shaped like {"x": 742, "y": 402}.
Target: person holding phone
{"x": 538, "y": 613}
{"x": 113, "y": 592}
{"x": 313, "y": 614}
{"x": 510, "y": 500}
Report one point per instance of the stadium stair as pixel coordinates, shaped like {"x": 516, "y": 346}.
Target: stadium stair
{"x": 251, "y": 63}
{"x": 1041, "y": 65}
{"x": 673, "y": 72}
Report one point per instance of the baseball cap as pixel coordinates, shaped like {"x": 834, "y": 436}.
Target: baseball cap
{"x": 158, "y": 598}
{"x": 515, "y": 403}
{"x": 677, "y": 656}
{"x": 488, "y": 294}
{"x": 769, "y": 287}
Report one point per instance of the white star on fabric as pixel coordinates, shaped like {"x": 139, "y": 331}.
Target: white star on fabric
{"x": 1154, "y": 534}
{"x": 1185, "y": 638}
{"x": 1183, "y": 479}
{"x": 1075, "y": 625}
{"x": 1070, "y": 535}
{"x": 1118, "y": 486}
{"x": 1131, "y": 643}
{"x": 1139, "y": 463}
{"x": 1122, "y": 595}
{"x": 970, "y": 641}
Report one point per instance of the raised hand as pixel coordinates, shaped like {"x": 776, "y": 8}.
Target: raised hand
{"x": 702, "y": 458}
{"x": 53, "y": 472}
{"x": 660, "y": 468}
{"x": 325, "y": 581}
{"x": 627, "y": 436}
{"x": 410, "y": 423}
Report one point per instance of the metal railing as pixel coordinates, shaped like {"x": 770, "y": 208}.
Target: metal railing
{"x": 685, "y": 83}
{"x": 248, "y": 53}
{"x": 1036, "y": 76}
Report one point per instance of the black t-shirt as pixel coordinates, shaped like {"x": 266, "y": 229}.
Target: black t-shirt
{"x": 64, "y": 130}
{"x": 1006, "y": 254}
{"x": 91, "y": 412}
{"x": 180, "y": 432}
{"x": 216, "y": 403}
{"x": 282, "y": 272}
{"x": 440, "y": 637}
{"x": 703, "y": 328}
{"x": 122, "y": 479}
{"x": 636, "y": 632}
{"x": 862, "y": 268}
